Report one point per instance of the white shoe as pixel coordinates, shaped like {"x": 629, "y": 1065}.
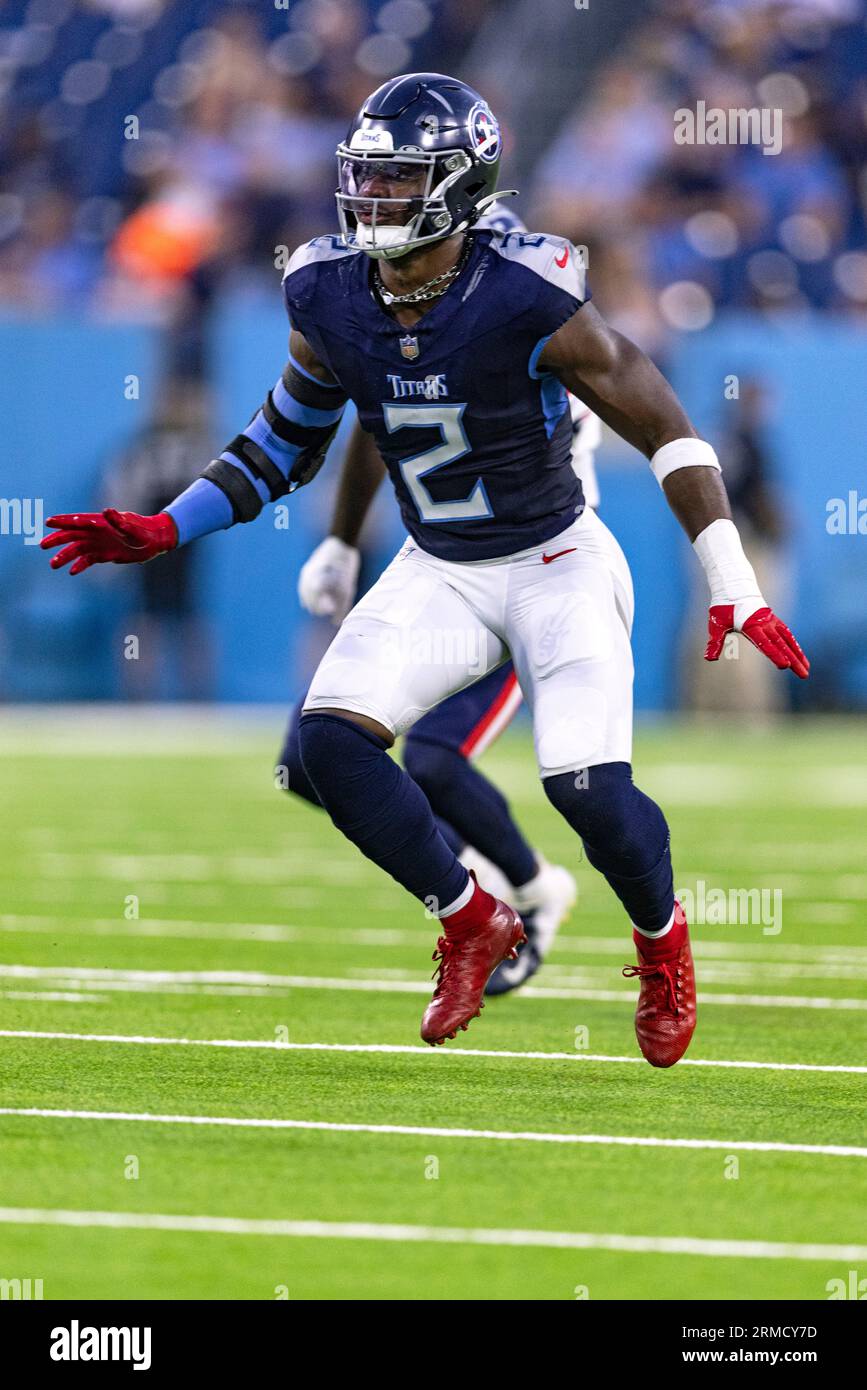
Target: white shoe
{"x": 547, "y": 899}
{"x": 543, "y": 903}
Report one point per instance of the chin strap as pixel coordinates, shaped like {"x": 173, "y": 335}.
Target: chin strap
{"x": 481, "y": 208}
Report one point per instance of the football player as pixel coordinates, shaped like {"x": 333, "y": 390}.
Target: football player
{"x": 458, "y": 349}
{"x": 438, "y": 751}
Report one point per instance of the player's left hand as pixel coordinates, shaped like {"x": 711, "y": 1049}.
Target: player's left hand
{"x": 119, "y": 538}
{"x": 764, "y": 629}
{"x": 328, "y": 579}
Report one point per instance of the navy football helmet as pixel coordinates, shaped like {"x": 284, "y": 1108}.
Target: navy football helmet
{"x": 419, "y": 162}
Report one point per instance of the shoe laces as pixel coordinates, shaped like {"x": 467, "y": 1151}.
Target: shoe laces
{"x": 443, "y": 954}
{"x": 669, "y": 972}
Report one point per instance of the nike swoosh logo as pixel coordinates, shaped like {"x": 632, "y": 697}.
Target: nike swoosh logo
{"x": 546, "y": 559}
{"x": 562, "y": 264}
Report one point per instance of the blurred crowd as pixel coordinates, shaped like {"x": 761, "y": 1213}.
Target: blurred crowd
{"x": 154, "y": 150}
{"x": 674, "y": 231}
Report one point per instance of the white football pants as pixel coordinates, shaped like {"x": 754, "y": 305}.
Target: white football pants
{"x": 429, "y": 627}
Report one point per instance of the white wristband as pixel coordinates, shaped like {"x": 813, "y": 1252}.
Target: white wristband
{"x": 683, "y": 453}
{"x": 730, "y": 575}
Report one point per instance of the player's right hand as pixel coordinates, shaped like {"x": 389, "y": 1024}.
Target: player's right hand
{"x": 119, "y": 538}
{"x": 764, "y": 629}
{"x": 328, "y": 580}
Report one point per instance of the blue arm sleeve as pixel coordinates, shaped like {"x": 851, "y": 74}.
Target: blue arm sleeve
{"x": 281, "y": 448}
{"x": 203, "y": 508}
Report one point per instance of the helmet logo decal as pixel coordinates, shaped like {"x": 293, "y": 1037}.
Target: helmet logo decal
{"x": 484, "y": 132}
{"x": 380, "y": 140}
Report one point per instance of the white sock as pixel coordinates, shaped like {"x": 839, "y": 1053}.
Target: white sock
{"x": 656, "y": 935}
{"x": 460, "y": 901}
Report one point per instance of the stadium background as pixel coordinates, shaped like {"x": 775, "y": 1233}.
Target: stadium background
{"x": 138, "y": 285}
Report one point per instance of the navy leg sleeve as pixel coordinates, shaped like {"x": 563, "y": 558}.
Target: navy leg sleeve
{"x": 471, "y": 805}
{"x": 379, "y": 807}
{"x": 625, "y": 837}
{"x": 455, "y": 842}
{"x": 295, "y": 779}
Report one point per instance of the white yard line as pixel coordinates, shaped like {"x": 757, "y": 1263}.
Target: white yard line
{"x": 320, "y": 867}
{"x": 580, "y": 975}
{"x": 220, "y": 982}
{"x": 131, "y": 987}
{"x": 822, "y": 913}
{"x": 768, "y": 951}
{"x": 722, "y": 971}
{"x": 54, "y": 996}
{"x": 107, "y": 975}
{"x": 241, "y": 982}
{"x": 200, "y": 868}
{"x": 268, "y": 1044}
{"x": 196, "y": 930}
{"x": 761, "y": 1001}
{"x": 743, "y": 953}
{"x": 448, "y": 1235}
{"x": 440, "y": 1132}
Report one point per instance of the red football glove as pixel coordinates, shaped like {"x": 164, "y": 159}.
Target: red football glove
{"x": 96, "y": 538}
{"x": 765, "y": 630}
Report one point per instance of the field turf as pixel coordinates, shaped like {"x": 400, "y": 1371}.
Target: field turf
{"x": 156, "y": 886}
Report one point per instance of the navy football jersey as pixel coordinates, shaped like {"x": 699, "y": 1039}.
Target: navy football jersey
{"x": 476, "y": 439}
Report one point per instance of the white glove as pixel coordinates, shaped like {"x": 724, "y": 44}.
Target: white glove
{"x": 328, "y": 580}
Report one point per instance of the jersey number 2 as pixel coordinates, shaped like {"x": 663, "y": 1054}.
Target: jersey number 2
{"x": 447, "y": 418}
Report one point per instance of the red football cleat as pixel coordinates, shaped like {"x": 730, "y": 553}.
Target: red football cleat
{"x": 467, "y": 957}
{"x": 665, "y": 1016}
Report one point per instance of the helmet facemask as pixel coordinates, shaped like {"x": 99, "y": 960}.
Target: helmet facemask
{"x": 386, "y": 227}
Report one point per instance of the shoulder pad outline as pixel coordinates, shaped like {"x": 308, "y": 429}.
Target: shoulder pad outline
{"x": 318, "y": 252}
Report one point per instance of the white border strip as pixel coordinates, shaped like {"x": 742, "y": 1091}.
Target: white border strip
{"x": 449, "y": 1235}
{"x": 267, "y": 1044}
{"x": 441, "y": 1132}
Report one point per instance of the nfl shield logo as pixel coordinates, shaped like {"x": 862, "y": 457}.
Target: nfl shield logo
{"x": 409, "y": 347}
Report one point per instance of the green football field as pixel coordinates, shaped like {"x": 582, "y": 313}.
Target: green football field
{"x": 213, "y": 1084}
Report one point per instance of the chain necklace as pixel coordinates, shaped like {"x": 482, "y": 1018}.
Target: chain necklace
{"x": 428, "y": 290}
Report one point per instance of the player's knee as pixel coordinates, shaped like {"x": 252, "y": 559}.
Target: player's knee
{"x": 431, "y": 765}
{"x": 335, "y": 752}
{"x": 599, "y": 802}
{"x": 321, "y": 738}
{"x": 623, "y": 831}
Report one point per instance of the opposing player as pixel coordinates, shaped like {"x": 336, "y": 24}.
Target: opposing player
{"x": 458, "y": 350}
